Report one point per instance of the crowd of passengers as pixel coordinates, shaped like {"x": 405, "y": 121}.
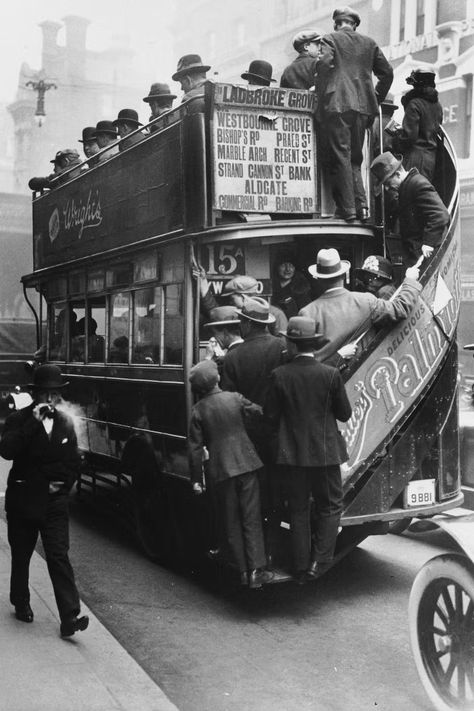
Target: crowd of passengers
{"x": 264, "y": 428}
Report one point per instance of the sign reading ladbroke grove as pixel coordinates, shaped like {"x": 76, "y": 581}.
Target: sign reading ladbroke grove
{"x": 263, "y": 150}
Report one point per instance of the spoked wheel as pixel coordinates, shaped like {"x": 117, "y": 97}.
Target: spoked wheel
{"x": 441, "y": 615}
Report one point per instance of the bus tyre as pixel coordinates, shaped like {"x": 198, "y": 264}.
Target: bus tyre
{"x": 399, "y": 526}
{"x": 441, "y": 619}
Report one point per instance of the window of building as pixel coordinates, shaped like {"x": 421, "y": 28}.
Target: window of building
{"x": 119, "y": 328}
{"x": 420, "y": 17}
{"x": 401, "y": 33}
{"x": 147, "y": 322}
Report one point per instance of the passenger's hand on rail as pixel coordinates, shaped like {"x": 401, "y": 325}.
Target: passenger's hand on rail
{"x": 348, "y": 350}
{"x": 426, "y": 250}
{"x": 200, "y": 273}
{"x": 412, "y": 273}
{"x": 198, "y": 489}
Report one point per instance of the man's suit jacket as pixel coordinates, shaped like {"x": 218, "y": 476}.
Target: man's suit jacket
{"x": 247, "y": 368}
{"x": 343, "y": 315}
{"x": 37, "y": 460}
{"x": 303, "y": 402}
{"x": 218, "y": 423}
{"x": 345, "y": 69}
{"x": 423, "y": 215}
{"x": 300, "y": 74}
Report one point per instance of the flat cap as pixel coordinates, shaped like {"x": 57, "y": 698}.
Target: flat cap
{"x": 66, "y": 155}
{"x": 241, "y": 285}
{"x": 204, "y": 376}
{"x": 304, "y": 36}
{"x": 346, "y": 13}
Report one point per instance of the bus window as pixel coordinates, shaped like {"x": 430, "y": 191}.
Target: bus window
{"x": 119, "y": 328}
{"x": 77, "y": 336}
{"x": 173, "y": 325}
{"x": 147, "y": 325}
{"x": 96, "y": 330}
{"x": 59, "y": 330}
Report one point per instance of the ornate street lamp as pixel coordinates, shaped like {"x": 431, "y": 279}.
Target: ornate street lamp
{"x": 41, "y": 87}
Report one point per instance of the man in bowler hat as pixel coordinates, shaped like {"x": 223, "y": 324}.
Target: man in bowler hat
{"x": 127, "y": 124}
{"x": 422, "y": 214}
{"x": 303, "y": 402}
{"x": 191, "y": 74}
{"x": 347, "y": 105}
{"x": 301, "y": 73}
{"x": 89, "y": 144}
{"x": 160, "y": 100}
{"x": 259, "y": 73}
{"x": 41, "y": 441}
{"x": 106, "y": 135}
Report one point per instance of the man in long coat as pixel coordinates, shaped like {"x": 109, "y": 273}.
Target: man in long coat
{"x": 347, "y": 105}
{"x": 41, "y": 441}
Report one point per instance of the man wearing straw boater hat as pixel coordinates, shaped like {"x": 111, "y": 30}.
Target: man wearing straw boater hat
{"x": 304, "y": 400}
{"x": 160, "y": 100}
{"x": 41, "y": 441}
{"x": 422, "y": 214}
{"x": 342, "y": 315}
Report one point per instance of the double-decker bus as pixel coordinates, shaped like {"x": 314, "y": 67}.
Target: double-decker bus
{"x": 229, "y": 183}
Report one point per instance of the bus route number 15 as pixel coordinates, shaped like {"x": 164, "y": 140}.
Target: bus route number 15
{"x": 224, "y": 259}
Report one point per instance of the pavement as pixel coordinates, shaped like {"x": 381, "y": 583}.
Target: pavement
{"x": 40, "y": 671}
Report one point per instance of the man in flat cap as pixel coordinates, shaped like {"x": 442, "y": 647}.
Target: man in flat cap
{"x": 259, "y": 73}
{"x": 160, "y": 100}
{"x": 422, "y": 214}
{"x": 106, "y": 135}
{"x": 347, "y": 106}
{"x": 127, "y": 123}
{"x": 191, "y": 74}
{"x": 66, "y": 164}
{"x": 89, "y": 144}
{"x": 300, "y": 74}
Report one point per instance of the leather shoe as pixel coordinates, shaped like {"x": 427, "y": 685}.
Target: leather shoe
{"x": 24, "y": 613}
{"x": 363, "y": 214}
{"x": 257, "y": 578}
{"x": 316, "y": 569}
{"x": 77, "y": 624}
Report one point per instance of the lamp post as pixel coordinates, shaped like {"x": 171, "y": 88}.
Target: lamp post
{"x": 41, "y": 86}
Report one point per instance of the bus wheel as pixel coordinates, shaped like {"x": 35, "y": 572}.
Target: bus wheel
{"x": 441, "y": 618}
{"x": 397, "y": 527}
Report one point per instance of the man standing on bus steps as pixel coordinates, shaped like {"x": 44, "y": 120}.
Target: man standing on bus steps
{"x": 343, "y": 315}
{"x": 301, "y": 73}
{"x": 347, "y": 106}
{"x": 41, "y": 441}
{"x": 217, "y": 423}
{"x": 422, "y": 214}
{"x": 303, "y": 402}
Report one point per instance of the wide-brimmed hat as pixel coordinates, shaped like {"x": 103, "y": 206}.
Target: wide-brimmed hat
{"x": 241, "y": 285}
{"x": 106, "y": 127}
{"x": 188, "y": 64}
{"x": 260, "y": 70}
{"x": 304, "y": 36}
{"x": 302, "y": 329}
{"x": 88, "y": 134}
{"x": 204, "y": 375}
{"x": 329, "y": 265}
{"x": 128, "y": 115}
{"x": 256, "y": 309}
{"x": 346, "y": 13}
{"x": 223, "y": 316}
{"x": 387, "y": 105}
{"x": 160, "y": 92}
{"x": 378, "y": 266}
{"x": 422, "y": 77}
{"x": 48, "y": 377}
{"x": 384, "y": 166}
{"x": 67, "y": 155}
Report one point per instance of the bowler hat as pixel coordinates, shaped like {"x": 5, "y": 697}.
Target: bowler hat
{"x": 223, "y": 316}
{"x": 204, "y": 375}
{"x": 188, "y": 64}
{"x": 378, "y": 266}
{"x": 48, "y": 377}
{"x": 257, "y": 309}
{"x": 302, "y": 329}
{"x": 423, "y": 77}
{"x": 384, "y": 166}
{"x": 106, "y": 127}
{"x": 88, "y": 134}
{"x": 388, "y": 107}
{"x": 260, "y": 70}
{"x": 159, "y": 91}
{"x": 66, "y": 155}
{"x": 304, "y": 36}
{"x": 346, "y": 13}
{"x": 329, "y": 265}
{"x": 241, "y": 284}
{"x": 128, "y": 115}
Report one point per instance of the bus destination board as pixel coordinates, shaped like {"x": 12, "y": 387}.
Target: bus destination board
{"x": 263, "y": 151}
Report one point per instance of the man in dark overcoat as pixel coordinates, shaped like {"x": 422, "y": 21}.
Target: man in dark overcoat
{"x": 422, "y": 214}
{"x": 301, "y": 73}
{"x": 347, "y": 105}
{"x": 303, "y": 402}
{"x": 41, "y": 441}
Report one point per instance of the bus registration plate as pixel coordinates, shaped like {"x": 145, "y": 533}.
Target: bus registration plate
{"x": 420, "y": 492}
